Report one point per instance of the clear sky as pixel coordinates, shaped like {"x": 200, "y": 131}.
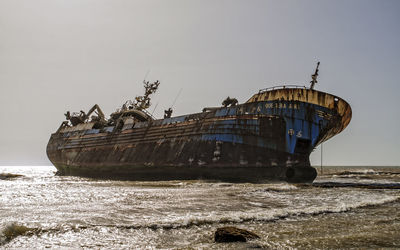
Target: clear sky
{"x": 59, "y": 55}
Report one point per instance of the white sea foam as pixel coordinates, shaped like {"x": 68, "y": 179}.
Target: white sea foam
{"x": 268, "y": 215}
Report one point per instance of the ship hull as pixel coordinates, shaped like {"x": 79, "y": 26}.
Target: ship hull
{"x": 184, "y": 160}
{"x": 209, "y": 173}
{"x": 269, "y": 138}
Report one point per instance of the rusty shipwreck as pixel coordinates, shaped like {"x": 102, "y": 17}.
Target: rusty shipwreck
{"x": 267, "y": 138}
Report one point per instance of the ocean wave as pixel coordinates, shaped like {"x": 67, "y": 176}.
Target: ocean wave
{"x": 14, "y": 230}
{"x": 393, "y": 185}
{"x": 267, "y": 215}
{"x": 359, "y": 171}
{"x": 365, "y": 172}
{"x": 281, "y": 187}
{"x": 279, "y": 214}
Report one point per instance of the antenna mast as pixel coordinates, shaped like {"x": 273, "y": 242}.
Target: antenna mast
{"x": 143, "y": 102}
{"x": 168, "y": 112}
{"x": 314, "y": 77}
{"x": 176, "y": 98}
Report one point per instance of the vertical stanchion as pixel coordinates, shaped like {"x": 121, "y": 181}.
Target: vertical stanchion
{"x": 321, "y": 156}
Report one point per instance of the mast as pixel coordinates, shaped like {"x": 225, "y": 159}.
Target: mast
{"x": 314, "y": 77}
{"x": 143, "y": 102}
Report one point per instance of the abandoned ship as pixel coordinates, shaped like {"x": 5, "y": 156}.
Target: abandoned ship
{"x": 267, "y": 138}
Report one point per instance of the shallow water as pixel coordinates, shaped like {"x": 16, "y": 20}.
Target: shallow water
{"x": 345, "y": 208}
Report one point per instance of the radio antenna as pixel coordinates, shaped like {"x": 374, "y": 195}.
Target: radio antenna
{"x": 168, "y": 112}
{"x": 314, "y": 77}
{"x": 176, "y": 98}
{"x": 145, "y": 76}
{"x": 154, "y": 109}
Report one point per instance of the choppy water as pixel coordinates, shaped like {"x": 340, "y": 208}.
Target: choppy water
{"x": 344, "y": 209}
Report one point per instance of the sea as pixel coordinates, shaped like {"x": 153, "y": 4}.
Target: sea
{"x": 345, "y": 207}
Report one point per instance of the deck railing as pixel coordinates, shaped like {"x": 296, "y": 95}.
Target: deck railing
{"x": 282, "y": 87}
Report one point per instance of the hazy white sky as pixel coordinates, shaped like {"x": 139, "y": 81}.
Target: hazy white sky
{"x": 59, "y": 55}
